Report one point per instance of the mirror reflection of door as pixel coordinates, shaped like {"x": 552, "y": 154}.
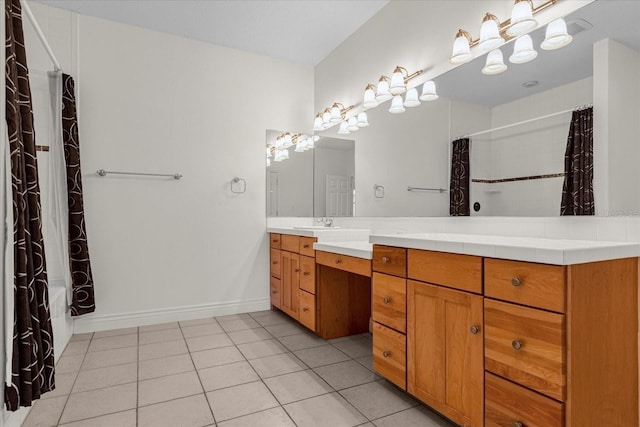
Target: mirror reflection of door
{"x": 272, "y": 193}
{"x": 339, "y": 195}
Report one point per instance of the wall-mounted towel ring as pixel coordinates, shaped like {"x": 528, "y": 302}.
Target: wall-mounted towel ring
{"x": 378, "y": 191}
{"x": 238, "y": 185}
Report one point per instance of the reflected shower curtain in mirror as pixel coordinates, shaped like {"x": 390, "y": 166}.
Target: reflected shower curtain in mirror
{"x": 32, "y": 364}
{"x": 459, "y": 193}
{"x": 577, "y": 191}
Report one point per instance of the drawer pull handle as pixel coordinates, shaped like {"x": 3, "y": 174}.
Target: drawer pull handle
{"x": 306, "y": 245}
{"x": 517, "y": 424}
{"x": 386, "y": 353}
{"x": 474, "y": 329}
{"x": 274, "y": 291}
{"x": 305, "y": 309}
{"x": 297, "y": 270}
{"x": 516, "y": 344}
{"x": 385, "y": 259}
{"x": 516, "y": 281}
{"x": 274, "y": 262}
{"x": 338, "y": 261}
{"x": 386, "y": 300}
{"x": 305, "y": 273}
{"x": 274, "y": 241}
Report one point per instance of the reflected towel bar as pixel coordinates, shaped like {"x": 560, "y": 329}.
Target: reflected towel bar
{"x": 103, "y": 172}
{"x": 439, "y": 190}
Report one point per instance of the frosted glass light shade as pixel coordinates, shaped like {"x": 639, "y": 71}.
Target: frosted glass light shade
{"x": 268, "y": 152}
{"x": 461, "y": 50}
{"x": 301, "y": 146}
{"x": 326, "y": 118}
{"x": 317, "y": 122}
{"x": 311, "y": 142}
{"x": 268, "y": 162}
{"x": 521, "y": 18}
{"x": 363, "y": 120}
{"x": 369, "y": 100}
{"x": 396, "y": 87}
{"x": 279, "y": 142}
{"x": 429, "y": 91}
{"x": 281, "y": 155}
{"x": 344, "y": 128}
{"x": 495, "y": 63}
{"x": 411, "y": 98}
{"x": 287, "y": 141}
{"x": 352, "y": 124}
{"x": 556, "y": 35}
{"x": 490, "y": 37}
{"x": 382, "y": 91}
{"x": 336, "y": 114}
{"x": 523, "y": 50}
{"x": 396, "y": 105}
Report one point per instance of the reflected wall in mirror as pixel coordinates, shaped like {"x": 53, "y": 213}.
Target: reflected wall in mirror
{"x": 317, "y": 182}
{"x": 599, "y": 67}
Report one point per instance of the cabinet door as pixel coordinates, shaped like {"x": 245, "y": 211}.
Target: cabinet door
{"x": 276, "y": 292}
{"x": 290, "y": 283}
{"x": 445, "y": 351}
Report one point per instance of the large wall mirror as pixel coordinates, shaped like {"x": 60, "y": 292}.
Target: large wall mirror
{"x": 316, "y": 182}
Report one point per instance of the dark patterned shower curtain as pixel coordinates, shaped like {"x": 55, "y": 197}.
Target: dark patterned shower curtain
{"x": 577, "y": 191}
{"x": 81, "y": 278}
{"x": 32, "y": 358}
{"x": 459, "y": 204}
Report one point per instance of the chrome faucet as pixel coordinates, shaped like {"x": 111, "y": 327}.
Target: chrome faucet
{"x": 327, "y": 221}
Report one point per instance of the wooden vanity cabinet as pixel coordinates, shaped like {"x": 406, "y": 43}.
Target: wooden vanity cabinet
{"x": 293, "y": 277}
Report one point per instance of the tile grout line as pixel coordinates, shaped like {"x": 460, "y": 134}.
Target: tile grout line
{"x": 138, "y": 380}
{"x": 84, "y": 355}
{"x": 204, "y": 392}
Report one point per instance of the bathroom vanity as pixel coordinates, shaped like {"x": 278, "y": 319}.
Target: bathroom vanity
{"x": 502, "y": 331}
{"x": 487, "y": 330}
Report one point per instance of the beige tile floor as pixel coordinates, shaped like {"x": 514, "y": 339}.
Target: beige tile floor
{"x": 256, "y": 369}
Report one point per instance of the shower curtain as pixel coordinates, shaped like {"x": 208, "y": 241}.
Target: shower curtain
{"x": 577, "y": 190}
{"x": 459, "y": 194}
{"x": 31, "y": 358}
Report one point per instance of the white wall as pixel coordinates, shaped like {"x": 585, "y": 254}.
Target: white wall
{"x": 163, "y": 249}
{"x": 616, "y": 128}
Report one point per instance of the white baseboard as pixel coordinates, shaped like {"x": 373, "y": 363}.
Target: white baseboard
{"x": 14, "y": 419}
{"x": 95, "y": 323}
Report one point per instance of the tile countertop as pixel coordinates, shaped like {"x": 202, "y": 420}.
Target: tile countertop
{"x": 547, "y": 251}
{"x": 358, "y": 248}
{"x": 325, "y": 234}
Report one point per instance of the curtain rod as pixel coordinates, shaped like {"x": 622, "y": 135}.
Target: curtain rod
{"x": 43, "y": 39}
{"x": 525, "y": 121}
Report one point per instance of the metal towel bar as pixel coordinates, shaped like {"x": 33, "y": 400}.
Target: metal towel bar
{"x": 103, "y": 172}
{"x": 439, "y": 190}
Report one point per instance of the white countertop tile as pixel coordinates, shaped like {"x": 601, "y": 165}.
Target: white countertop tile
{"x": 325, "y": 234}
{"x": 548, "y": 251}
{"x": 358, "y": 248}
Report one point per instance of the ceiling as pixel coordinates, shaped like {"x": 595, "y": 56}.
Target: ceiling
{"x": 601, "y": 19}
{"x": 301, "y": 31}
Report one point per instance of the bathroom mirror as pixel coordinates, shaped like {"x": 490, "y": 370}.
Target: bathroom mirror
{"x": 317, "y": 182}
{"x": 517, "y": 170}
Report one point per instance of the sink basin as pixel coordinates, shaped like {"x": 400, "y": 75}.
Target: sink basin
{"x": 314, "y": 227}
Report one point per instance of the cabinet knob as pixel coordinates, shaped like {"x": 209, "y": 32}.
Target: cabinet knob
{"x": 385, "y": 259}
{"x": 386, "y": 353}
{"x": 274, "y": 262}
{"x": 516, "y": 344}
{"x": 386, "y": 300}
{"x": 305, "y": 273}
{"x": 474, "y": 329}
{"x": 305, "y": 309}
{"x": 306, "y": 245}
{"x": 338, "y": 261}
{"x": 297, "y": 270}
{"x": 516, "y": 281}
{"x": 274, "y": 241}
{"x": 274, "y": 291}
{"x": 517, "y": 424}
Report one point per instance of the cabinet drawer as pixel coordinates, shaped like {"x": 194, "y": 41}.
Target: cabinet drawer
{"x": 390, "y": 260}
{"x": 276, "y": 292}
{"x": 274, "y": 241}
{"x": 536, "y": 285}
{"x": 351, "y": 264}
{"x": 390, "y": 354}
{"x": 306, "y": 246}
{"x": 389, "y": 301}
{"x": 308, "y": 274}
{"x": 275, "y": 262}
{"x": 462, "y": 272}
{"x": 507, "y": 404}
{"x": 290, "y": 243}
{"x": 307, "y": 304}
{"x": 527, "y": 346}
